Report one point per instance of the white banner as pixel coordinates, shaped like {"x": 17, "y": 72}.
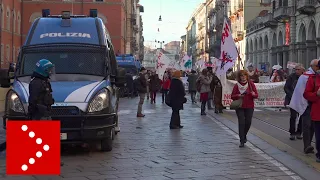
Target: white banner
{"x": 229, "y": 53}
{"x": 162, "y": 64}
{"x": 270, "y": 94}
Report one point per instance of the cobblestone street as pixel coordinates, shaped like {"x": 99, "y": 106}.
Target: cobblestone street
{"x": 147, "y": 149}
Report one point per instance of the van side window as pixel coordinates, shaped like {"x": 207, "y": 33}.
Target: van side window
{"x": 113, "y": 61}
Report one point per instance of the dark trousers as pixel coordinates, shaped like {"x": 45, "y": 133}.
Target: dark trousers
{"x": 317, "y": 134}
{"x": 203, "y": 106}
{"x": 164, "y": 93}
{"x": 193, "y": 96}
{"x": 308, "y": 127}
{"x": 293, "y": 117}
{"x": 153, "y": 96}
{"x": 175, "y": 118}
{"x": 244, "y": 122}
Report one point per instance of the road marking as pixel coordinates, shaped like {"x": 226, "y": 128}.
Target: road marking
{"x": 258, "y": 151}
{"x": 230, "y": 110}
{"x": 277, "y": 109}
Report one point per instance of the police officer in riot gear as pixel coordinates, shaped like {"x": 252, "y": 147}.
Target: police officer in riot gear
{"x": 40, "y": 99}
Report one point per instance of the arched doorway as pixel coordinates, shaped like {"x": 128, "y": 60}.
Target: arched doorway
{"x": 311, "y": 43}
{"x": 251, "y": 51}
{"x": 302, "y": 38}
{"x": 266, "y": 50}
{"x": 273, "y": 50}
{"x": 255, "y": 53}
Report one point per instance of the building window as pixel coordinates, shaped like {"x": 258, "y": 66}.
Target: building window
{"x": 99, "y": 0}
{"x": 19, "y": 23}
{"x": 7, "y": 53}
{"x": 2, "y": 53}
{"x": 8, "y": 19}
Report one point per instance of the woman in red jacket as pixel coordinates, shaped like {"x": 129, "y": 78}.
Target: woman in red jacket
{"x": 165, "y": 83}
{"x": 312, "y": 94}
{"x": 246, "y": 90}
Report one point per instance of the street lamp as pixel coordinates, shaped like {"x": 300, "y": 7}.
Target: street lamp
{"x": 214, "y": 29}
{"x": 160, "y": 42}
{"x": 160, "y": 19}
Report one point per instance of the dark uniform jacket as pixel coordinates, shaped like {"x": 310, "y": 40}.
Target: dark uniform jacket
{"x": 40, "y": 99}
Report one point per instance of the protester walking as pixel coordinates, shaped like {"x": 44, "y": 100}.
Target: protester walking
{"x": 312, "y": 94}
{"x": 203, "y": 86}
{"x": 147, "y": 77}
{"x": 142, "y": 89}
{"x": 155, "y": 85}
{"x": 192, "y": 79}
{"x": 303, "y": 107}
{"x": 245, "y": 90}
{"x": 289, "y": 89}
{"x": 165, "y": 85}
{"x": 210, "y": 94}
{"x": 177, "y": 99}
{"x": 216, "y": 88}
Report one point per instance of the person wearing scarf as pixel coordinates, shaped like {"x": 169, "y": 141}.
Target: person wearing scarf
{"x": 246, "y": 90}
{"x": 302, "y": 106}
{"x": 176, "y": 94}
{"x": 204, "y": 90}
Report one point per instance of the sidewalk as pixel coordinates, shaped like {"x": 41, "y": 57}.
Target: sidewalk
{"x": 204, "y": 149}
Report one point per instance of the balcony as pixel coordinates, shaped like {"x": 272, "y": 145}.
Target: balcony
{"x": 268, "y": 20}
{"x": 135, "y": 28}
{"x": 282, "y": 14}
{"x": 307, "y": 6}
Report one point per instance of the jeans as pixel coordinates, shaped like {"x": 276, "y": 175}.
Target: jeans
{"x": 142, "y": 96}
{"x": 308, "y": 127}
{"x": 244, "y": 122}
{"x": 164, "y": 93}
{"x": 203, "y": 106}
{"x": 175, "y": 118}
{"x": 293, "y": 117}
{"x": 317, "y": 133}
{"x": 193, "y": 96}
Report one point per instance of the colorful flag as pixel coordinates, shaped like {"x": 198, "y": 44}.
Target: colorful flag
{"x": 229, "y": 53}
{"x": 163, "y": 63}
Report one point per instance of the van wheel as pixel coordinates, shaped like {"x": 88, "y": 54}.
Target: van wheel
{"x": 106, "y": 144}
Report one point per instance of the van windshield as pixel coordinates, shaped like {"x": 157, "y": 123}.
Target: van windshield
{"x": 66, "y": 63}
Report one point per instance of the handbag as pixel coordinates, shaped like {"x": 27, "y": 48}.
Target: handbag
{"x": 236, "y": 104}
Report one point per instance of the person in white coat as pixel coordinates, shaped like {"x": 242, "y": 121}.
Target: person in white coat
{"x": 303, "y": 107}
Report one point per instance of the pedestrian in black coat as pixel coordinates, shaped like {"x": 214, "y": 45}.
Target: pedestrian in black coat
{"x": 176, "y": 94}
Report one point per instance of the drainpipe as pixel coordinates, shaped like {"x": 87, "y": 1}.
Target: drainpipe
{"x": 12, "y": 32}
{"x": 1, "y": 31}
{"x": 21, "y": 25}
{"x": 82, "y": 7}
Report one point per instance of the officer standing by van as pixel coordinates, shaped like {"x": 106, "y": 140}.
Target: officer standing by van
{"x": 40, "y": 99}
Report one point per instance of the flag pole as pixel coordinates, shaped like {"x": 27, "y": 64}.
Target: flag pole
{"x": 240, "y": 59}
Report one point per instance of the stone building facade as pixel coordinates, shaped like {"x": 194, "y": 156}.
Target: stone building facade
{"x": 290, "y": 31}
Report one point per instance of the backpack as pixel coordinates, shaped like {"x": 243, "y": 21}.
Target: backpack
{"x": 198, "y": 85}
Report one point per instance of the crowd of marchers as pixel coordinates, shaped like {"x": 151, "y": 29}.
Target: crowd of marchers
{"x": 302, "y": 90}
